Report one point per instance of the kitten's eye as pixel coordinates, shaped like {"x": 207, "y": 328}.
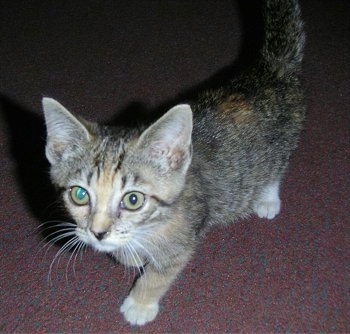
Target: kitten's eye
{"x": 79, "y": 195}
{"x": 133, "y": 201}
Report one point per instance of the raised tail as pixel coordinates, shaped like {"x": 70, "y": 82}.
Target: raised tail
{"x": 282, "y": 51}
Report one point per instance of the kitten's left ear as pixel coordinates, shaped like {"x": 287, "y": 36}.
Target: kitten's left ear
{"x": 168, "y": 141}
{"x": 65, "y": 133}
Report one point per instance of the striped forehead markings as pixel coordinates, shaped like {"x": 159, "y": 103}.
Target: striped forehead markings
{"x": 108, "y": 159}
{"x": 123, "y": 181}
{"x": 120, "y": 161}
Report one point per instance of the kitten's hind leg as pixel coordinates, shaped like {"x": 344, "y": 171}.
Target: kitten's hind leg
{"x": 268, "y": 204}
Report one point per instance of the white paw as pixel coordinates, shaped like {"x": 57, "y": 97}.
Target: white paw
{"x": 267, "y": 209}
{"x": 138, "y": 314}
{"x": 269, "y": 203}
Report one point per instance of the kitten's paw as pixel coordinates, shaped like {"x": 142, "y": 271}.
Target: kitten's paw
{"x": 269, "y": 204}
{"x": 138, "y": 314}
{"x": 268, "y": 209}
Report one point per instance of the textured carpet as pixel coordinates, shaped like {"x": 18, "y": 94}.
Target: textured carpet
{"x": 100, "y": 58}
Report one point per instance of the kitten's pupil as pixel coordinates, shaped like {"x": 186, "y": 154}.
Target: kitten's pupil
{"x": 133, "y": 199}
{"x": 80, "y": 193}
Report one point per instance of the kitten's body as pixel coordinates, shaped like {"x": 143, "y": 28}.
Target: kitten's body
{"x": 183, "y": 178}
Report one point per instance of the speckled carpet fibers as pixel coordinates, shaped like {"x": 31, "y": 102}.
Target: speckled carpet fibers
{"x": 100, "y": 58}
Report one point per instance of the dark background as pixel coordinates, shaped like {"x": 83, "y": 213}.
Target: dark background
{"x": 103, "y": 58}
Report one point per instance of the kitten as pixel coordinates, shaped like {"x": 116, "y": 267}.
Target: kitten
{"x": 147, "y": 194}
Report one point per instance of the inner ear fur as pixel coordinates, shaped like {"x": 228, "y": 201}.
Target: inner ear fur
{"x": 65, "y": 133}
{"x": 169, "y": 139}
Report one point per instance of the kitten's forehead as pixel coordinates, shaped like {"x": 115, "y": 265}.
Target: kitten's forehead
{"x": 110, "y": 150}
{"x": 111, "y": 145}
{"x": 107, "y": 158}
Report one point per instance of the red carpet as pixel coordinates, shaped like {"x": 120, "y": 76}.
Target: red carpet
{"x": 98, "y": 58}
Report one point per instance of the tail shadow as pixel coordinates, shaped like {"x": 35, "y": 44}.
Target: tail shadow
{"x": 252, "y": 26}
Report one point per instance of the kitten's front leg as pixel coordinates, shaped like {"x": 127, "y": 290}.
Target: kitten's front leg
{"x": 142, "y": 304}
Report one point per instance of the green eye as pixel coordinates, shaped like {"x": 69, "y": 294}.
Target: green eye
{"x": 79, "y": 195}
{"x": 133, "y": 201}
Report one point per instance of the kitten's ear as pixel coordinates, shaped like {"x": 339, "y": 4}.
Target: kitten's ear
{"x": 169, "y": 139}
{"x": 65, "y": 133}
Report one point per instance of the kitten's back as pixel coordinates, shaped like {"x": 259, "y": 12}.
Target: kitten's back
{"x": 245, "y": 132}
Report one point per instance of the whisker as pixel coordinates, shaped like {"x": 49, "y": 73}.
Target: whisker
{"x": 144, "y": 248}
{"x": 42, "y": 228}
{"x": 48, "y": 245}
{"x": 156, "y": 242}
{"x": 81, "y": 248}
{"x": 53, "y": 241}
{"x": 60, "y": 223}
{"x": 135, "y": 256}
{"x": 56, "y": 232}
{"x": 77, "y": 246}
{"x": 133, "y": 253}
{"x": 60, "y": 228}
{"x": 126, "y": 264}
{"x": 65, "y": 248}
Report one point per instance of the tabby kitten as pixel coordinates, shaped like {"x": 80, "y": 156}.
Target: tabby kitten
{"x": 146, "y": 195}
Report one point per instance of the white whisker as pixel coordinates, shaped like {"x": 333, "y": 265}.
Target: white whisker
{"x": 53, "y": 241}
{"x": 156, "y": 242}
{"x": 134, "y": 256}
{"x": 137, "y": 258}
{"x": 61, "y": 227}
{"x": 80, "y": 250}
{"x": 148, "y": 253}
{"x": 76, "y": 249}
{"x": 48, "y": 237}
{"x": 60, "y": 223}
{"x": 126, "y": 264}
{"x": 65, "y": 248}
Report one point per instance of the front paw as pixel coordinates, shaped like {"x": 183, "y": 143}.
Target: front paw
{"x": 138, "y": 314}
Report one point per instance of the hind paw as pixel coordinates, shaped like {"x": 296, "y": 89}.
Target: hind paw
{"x": 269, "y": 203}
{"x": 268, "y": 209}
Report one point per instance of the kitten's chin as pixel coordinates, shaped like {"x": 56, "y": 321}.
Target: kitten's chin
{"x": 103, "y": 247}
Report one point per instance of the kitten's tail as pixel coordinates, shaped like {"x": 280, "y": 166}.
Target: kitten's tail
{"x": 283, "y": 46}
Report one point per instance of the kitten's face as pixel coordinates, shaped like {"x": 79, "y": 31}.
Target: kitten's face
{"x": 119, "y": 186}
{"x": 115, "y": 207}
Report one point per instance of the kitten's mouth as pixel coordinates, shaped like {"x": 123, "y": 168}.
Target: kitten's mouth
{"x": 104, "y": 244}
{"x": 121, "y": 248}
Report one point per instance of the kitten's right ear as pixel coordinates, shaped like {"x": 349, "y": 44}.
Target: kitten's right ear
{"x": 169, "y": 140}
{"x": 65, "y": 133}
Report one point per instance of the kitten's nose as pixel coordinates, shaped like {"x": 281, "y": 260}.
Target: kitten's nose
{"x": 99, "y": 235}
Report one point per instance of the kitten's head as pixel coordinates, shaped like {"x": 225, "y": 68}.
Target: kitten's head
{"x": 118, "y": 184}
